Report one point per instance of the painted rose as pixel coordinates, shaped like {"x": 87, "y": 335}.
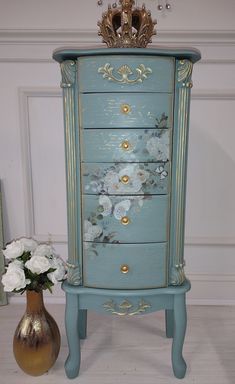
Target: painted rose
{"x": 91, "y": 231}
{"x": 14, "y": 278}
{"x": 14, "y": 250}
{"x": 38, "y": 264}
{"x": 158, "y": 147}
{"x": 59, "y": 273}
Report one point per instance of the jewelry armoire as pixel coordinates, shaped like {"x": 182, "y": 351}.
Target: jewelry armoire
{"x": 126, "y": 117}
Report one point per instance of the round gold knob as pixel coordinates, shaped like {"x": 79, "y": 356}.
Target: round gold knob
{"x": 125, "y": 179}
{"x": 125, "y": 145}
{"x": 125, "y": 108}
{"x": 124, "y": 268}
{"x": 125, "y": 220}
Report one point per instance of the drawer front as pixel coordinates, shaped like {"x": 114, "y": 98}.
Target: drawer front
{"x": 125, "y": 74}
{"x": 125, "y": 219}
{"x": 124, "y": 179}
{"x": 116, "y": 110}
{"x": 127, "y": 145}
{"x": 125, "y": 266}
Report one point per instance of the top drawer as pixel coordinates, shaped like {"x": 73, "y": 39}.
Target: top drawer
{"x": 111, "y": 73}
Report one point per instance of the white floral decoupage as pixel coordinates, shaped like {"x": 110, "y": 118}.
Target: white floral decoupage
{"x": 96, "y": 227}
{"x": 143, "y": 178}
{"x": 148, "y": 145}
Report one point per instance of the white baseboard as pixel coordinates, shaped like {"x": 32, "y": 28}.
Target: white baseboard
{"x": 206, "y": 290}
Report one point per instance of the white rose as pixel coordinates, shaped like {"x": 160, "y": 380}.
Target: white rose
{"x": 38, "y": 264}
{"x": 16, "y": 264}
{"x": 29, "y": 244}
{"x": 14, "y": 279}
{"x": 14, "y": 250}
{"x": 59, "y": 272}
{"x": 43, "y": 250}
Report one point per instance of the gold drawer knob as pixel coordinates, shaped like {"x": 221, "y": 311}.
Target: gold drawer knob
{"x": 125, "y": 220}
{"x": 125, "y": 179}
{"x": 125, "y": 108}
{"x": 125, "y": 145}
{"x": 124, "y": 268}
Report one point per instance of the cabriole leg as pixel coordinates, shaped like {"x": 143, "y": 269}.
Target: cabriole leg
{"x": 169, "y": 319}
{"x": 82, "y": 323}
{"x": 72, "y": 364}
{"x": 180, "y": 322}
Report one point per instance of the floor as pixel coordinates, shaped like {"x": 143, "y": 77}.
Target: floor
{"x": 133, "y": 350}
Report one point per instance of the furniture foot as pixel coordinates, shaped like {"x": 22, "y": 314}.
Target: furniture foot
{"x": 169, "y": 319}
{"x": 72, "y": 364}
{"x": 180, "y": 321}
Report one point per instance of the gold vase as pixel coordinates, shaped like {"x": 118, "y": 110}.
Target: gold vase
{"x": 36, "y": 342}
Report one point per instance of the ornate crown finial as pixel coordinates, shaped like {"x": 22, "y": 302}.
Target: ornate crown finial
{"x": 127, "y": 27}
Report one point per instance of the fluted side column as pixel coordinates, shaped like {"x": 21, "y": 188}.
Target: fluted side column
{"x": 68, "y": 84}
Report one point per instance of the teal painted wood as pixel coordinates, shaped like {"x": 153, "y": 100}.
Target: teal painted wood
{"x": 180, "y": 323}
{"x": 72, "y": 140}
{"x": 126, "y": 74}
{"x": 72, "y": 364}
{"x": 99, "y": 114}
{"x": 108, "y": 178}
{"x": 95, "y": 298}
{"x": 179, "y": 170}
{"x": 103, "y": 214}
{"x": 82, "y": 323}
{"x": 146, "y": 110}
{"x": 191, "y": 54}
{"x": 146, "y": 263}
{"x": 144, "y": 145}
{"x": 169, "y": 320}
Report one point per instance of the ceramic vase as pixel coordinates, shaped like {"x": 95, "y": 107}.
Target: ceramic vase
{"x": 36, "y": 342}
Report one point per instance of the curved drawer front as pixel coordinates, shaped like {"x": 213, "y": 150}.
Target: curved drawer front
{"x": 125, "y": 266}
{"x": 127, "y": 145}
{"x": 124, "y": 179}
{"x": 125, "y": 74}
{"x": 115, "y": 110}
{"x": 125, "y": 219}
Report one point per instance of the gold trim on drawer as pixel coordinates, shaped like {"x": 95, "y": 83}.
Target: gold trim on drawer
{"x": 126, "y": 308}
{"x": 125, "y": 220}
{"x": 125, "y": 108}
{"x": 124, "y": 268}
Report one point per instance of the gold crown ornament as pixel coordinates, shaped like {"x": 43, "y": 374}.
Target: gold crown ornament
{"x": 126, "y": 27}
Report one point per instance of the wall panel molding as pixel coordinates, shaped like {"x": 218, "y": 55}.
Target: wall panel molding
{"x": 36, "y": 45}
{"x": 89, "y": 36}
{"x": 206, "y": 290}
{"x": 24, "y": 95}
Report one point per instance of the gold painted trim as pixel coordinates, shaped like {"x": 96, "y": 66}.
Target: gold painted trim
{"x": 125, "y": 71}
{"x": 126, "y": 308}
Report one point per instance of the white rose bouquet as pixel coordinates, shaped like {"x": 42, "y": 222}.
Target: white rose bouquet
{"x": 31, "y": 266}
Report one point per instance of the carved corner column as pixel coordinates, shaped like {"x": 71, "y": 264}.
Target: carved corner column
{"x": 68, "y": 84}
{"x": 180, "y": 147}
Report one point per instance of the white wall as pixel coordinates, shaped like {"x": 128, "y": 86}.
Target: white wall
{"x": 31, "y": 128}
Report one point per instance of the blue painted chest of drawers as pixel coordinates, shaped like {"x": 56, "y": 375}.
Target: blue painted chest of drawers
{"x": 126, "y": 114}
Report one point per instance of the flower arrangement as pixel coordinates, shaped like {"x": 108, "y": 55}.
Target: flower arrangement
{"x": 31, "y": 266}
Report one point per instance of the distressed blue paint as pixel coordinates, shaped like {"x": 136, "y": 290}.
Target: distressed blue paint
{"x": 156, "y": 129}
{"x": 105, "y": 145}
{"x": 147, "y": 265}
{"x": 106, "y": 110}
{"x": 155, "y": 178}
{"x": 153, "y": 214}
{"x": 159, "y": 79}
{"x": 191, "y": 54}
